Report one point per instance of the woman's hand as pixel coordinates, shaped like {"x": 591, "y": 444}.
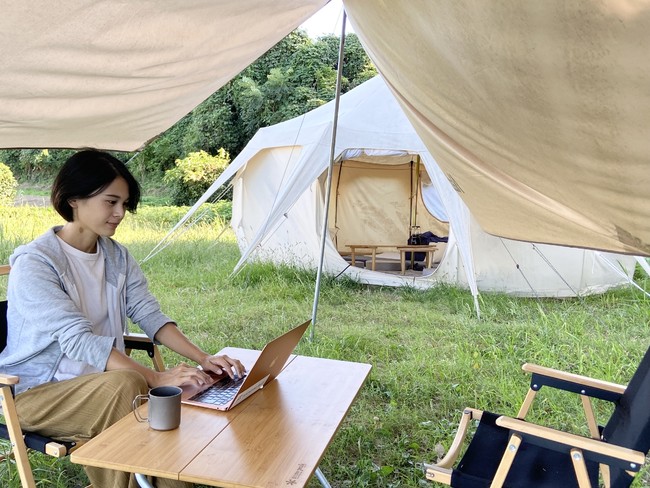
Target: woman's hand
{"x": 219, "y": 364}
{"x": 180, "y": 375}
{"x": 170, "y": 336}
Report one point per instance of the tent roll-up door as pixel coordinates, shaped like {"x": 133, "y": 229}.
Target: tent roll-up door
{"x": 537, "y": 112}
{"x": 372, "y": 202}
{"x": 113, "y": 75}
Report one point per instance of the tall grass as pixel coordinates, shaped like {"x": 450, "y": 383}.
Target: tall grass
{"x": 431, "y": 356}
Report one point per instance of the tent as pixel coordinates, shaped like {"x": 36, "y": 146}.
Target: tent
{"x": 535, "y": 111}
{"x": 385, "y": 181}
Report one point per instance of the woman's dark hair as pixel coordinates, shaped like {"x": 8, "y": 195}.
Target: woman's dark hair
{"x": 84, "y": 175}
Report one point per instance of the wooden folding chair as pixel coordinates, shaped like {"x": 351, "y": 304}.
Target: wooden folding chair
{"x": 513, "y": 453}
{"x": 10, "y": 429}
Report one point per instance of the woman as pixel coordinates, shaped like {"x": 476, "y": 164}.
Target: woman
{"x": 70, "y": 292}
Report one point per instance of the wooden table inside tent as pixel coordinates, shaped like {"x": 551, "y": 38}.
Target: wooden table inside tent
{"x": 357, "y": 248}
{"x": 300, "y": 411}
{"x": 428, "y": 250}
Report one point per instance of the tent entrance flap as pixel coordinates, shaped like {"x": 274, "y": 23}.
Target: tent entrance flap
{"x": 378, "y": 204}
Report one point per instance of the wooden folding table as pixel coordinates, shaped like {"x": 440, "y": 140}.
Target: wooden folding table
{"x": 274, "y": 438}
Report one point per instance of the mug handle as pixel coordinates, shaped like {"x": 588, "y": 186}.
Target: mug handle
{"x": 138, "y": 400}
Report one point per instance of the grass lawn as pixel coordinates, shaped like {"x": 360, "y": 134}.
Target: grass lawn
{"x": 431, "y": 356}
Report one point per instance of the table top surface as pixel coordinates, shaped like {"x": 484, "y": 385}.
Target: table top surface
{"x": 275, "y": 437}
{"x": 417, "y": 247}
{"x": 396, "y": 246}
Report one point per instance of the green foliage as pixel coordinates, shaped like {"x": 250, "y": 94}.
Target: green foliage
{"x": 160, "y": 155}
{"x": 192, "y": 175}
{"x": 295, "y": 76}
{"x": 35, "y": 164}
{"x": 8, "y": 185}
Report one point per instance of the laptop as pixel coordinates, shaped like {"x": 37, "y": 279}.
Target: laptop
{"x": 224, "y": 393}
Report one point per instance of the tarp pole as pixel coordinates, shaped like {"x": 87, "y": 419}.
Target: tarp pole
{"x": 328, "y": 184}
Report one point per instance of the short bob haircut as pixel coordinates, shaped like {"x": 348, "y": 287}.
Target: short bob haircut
{"x": 86, "y": 174}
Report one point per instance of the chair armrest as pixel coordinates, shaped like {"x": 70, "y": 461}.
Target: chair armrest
{"x": 441, "y": 471}
{"x": 141, "y": 342}
{"x": 137, "y": 337}
{"x": 9, "y": 379}
{"x": 583, "y": 385}
{"x": 612, "y": 451}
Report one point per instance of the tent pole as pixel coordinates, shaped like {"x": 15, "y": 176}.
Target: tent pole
{"x": 411, "y": 199}
{"x": 328, "y": 184}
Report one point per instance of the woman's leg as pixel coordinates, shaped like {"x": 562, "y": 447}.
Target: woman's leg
{"x": 79, "y": 409}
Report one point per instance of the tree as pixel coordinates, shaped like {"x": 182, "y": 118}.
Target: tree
{"x": 194, "y": 174}
{"x": 8, "y": 186}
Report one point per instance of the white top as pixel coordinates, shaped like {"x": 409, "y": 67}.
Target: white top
{"x": 88, "y": 273}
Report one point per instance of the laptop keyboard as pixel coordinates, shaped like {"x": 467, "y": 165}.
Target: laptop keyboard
{"x": 221, "y": 392}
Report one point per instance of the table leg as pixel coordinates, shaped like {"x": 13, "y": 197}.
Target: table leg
{"x": 142, "y": 481}
{"x": 429, "y": 259}
{"x": 321, "y": 477}
{"x": 374, "y": 256}
{"x": 352, "y": 258}
{"x": 402, "y": 255}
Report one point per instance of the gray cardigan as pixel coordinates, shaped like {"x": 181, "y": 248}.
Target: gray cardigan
{"x": 43, "y": 321}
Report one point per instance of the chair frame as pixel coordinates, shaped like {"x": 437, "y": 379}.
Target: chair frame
{"x": 19, "y": 440}
{"x": 584, "y": 386}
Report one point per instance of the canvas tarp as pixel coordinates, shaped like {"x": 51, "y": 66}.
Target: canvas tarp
{"x": 113, "y": 75}
{"x": 535, "y": 111}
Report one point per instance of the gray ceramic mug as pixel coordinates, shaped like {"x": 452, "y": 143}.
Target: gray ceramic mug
{"x": 164, "y": 407}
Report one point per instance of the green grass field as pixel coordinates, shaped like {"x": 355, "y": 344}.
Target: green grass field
{"x": 431, "y": 356}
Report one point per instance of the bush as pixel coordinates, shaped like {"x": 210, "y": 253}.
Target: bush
{"x": 194, "y": 174}
{"x": 35, "y": 164}
{"x": 8, "y": 186}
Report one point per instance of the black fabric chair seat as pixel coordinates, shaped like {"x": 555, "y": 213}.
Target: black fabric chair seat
{"x": 37, "y": 442}
{"x": 533, "y": 466}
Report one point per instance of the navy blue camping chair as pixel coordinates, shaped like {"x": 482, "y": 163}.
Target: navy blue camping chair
{"x": 513, "y": 453}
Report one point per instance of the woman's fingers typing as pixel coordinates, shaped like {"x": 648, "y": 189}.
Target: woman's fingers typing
{"x": 218, "y": 364}
{"x": 183, "y": 375}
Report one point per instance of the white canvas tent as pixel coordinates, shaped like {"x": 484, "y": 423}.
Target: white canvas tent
{"x": 278, "y": 206}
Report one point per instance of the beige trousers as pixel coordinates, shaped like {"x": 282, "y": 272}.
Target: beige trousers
{"x": 79, "y": 409}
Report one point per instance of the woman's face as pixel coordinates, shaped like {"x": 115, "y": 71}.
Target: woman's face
{"x": 102, "y": 213}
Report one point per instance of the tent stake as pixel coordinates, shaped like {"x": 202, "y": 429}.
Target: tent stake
{"x": 328, "y": 184}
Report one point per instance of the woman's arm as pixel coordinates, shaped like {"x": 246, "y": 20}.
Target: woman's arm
{"x": 144, "y": 310}
{"x": 173, "y": 338}
{"x": 177, "y": 376}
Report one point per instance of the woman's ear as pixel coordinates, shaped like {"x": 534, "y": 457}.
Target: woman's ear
{"x": 72, "y": 202}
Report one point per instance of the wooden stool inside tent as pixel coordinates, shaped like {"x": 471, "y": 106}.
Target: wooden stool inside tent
{"x": 428, "y": 250}
{"x": 356, "y": 248}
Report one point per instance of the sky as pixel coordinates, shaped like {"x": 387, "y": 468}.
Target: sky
{"x": 327, "y": 21}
